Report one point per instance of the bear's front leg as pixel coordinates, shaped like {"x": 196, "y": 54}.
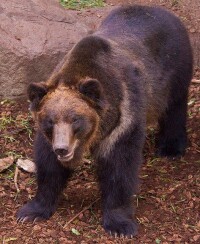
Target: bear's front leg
{"x": 51, "y": 179}
{"x": 118, "y": 177}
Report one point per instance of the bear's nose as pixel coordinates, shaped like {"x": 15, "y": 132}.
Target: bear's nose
{"x": 61, "y": 151}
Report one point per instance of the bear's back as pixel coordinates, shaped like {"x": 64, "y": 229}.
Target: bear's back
{"x": 157, "y": 42}
{"x": 154, "y": 28}
{"x": 141, "y": 22}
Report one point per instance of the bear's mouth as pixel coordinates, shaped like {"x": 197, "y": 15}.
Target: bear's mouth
{"x": 67, "y": 157}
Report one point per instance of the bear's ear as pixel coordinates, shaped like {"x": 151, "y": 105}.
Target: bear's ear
{"x": 92, "y": 89}
{"x": 36, "y": 91}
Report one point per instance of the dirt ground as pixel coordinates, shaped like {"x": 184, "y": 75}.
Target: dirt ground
{"x": 167, "y": 207}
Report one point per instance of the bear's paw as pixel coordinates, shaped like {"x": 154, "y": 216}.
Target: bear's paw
{"x": 33, "y": 211}
{"x": 120, "y": 225}
{"x": 172, "y": 147}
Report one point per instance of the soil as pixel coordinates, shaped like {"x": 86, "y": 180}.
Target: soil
{"x": 167, "y": 207}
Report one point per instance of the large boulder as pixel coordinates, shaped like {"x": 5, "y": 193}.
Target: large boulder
{"x": 34, "y": 36}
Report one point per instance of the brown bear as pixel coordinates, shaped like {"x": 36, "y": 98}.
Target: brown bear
{"x": 135, "y": 69}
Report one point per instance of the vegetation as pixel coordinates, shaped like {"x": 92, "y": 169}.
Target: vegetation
{"x": 79, "y": 4}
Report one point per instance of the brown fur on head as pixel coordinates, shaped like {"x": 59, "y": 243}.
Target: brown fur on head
{"x": 69, "y": 118}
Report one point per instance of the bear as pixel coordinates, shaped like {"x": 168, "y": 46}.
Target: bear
{"x": 135, "y": 69}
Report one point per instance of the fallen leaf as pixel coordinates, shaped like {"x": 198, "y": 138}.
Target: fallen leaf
{"x": 26, "y": 165}
{"x": 196, "y": 238}
{"x": 76, "y": 232}
{"x": 5, "y": 163}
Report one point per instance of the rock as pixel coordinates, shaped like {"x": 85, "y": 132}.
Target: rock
{"x": 34, "y": 37}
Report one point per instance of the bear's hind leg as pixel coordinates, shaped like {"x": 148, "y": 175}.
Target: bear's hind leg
{"x": 172, "y": 137}
{"x": 51, "y": 179}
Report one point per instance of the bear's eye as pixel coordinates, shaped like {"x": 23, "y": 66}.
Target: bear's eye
{"x": 78, "y": 124}
{"x": 47, "y": 126}
{"x": 74, "y": 120}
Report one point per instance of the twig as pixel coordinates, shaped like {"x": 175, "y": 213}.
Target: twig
{"x": 86, "y": 208}
{"x": 4, "y": 239}
{"x": 196, "y": 81}
{"x": 15, "y": 179}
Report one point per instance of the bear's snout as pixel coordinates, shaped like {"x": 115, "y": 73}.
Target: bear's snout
{"x": 61, "y": 151}
{"x": 64, "y": 155}
{"x": 64, "y": 143}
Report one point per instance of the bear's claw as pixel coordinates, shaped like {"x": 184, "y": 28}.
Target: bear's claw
{"x": 122, "y": 236}
{"x": 33, "y": 212}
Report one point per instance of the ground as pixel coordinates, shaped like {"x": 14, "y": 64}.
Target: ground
{"x": 167, "y": 207}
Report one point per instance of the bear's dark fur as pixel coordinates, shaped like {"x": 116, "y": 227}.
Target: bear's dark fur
{"x": 136, "y": 68}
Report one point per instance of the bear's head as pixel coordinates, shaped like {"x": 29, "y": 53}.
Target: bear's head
{"x": 68, "y": 116}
